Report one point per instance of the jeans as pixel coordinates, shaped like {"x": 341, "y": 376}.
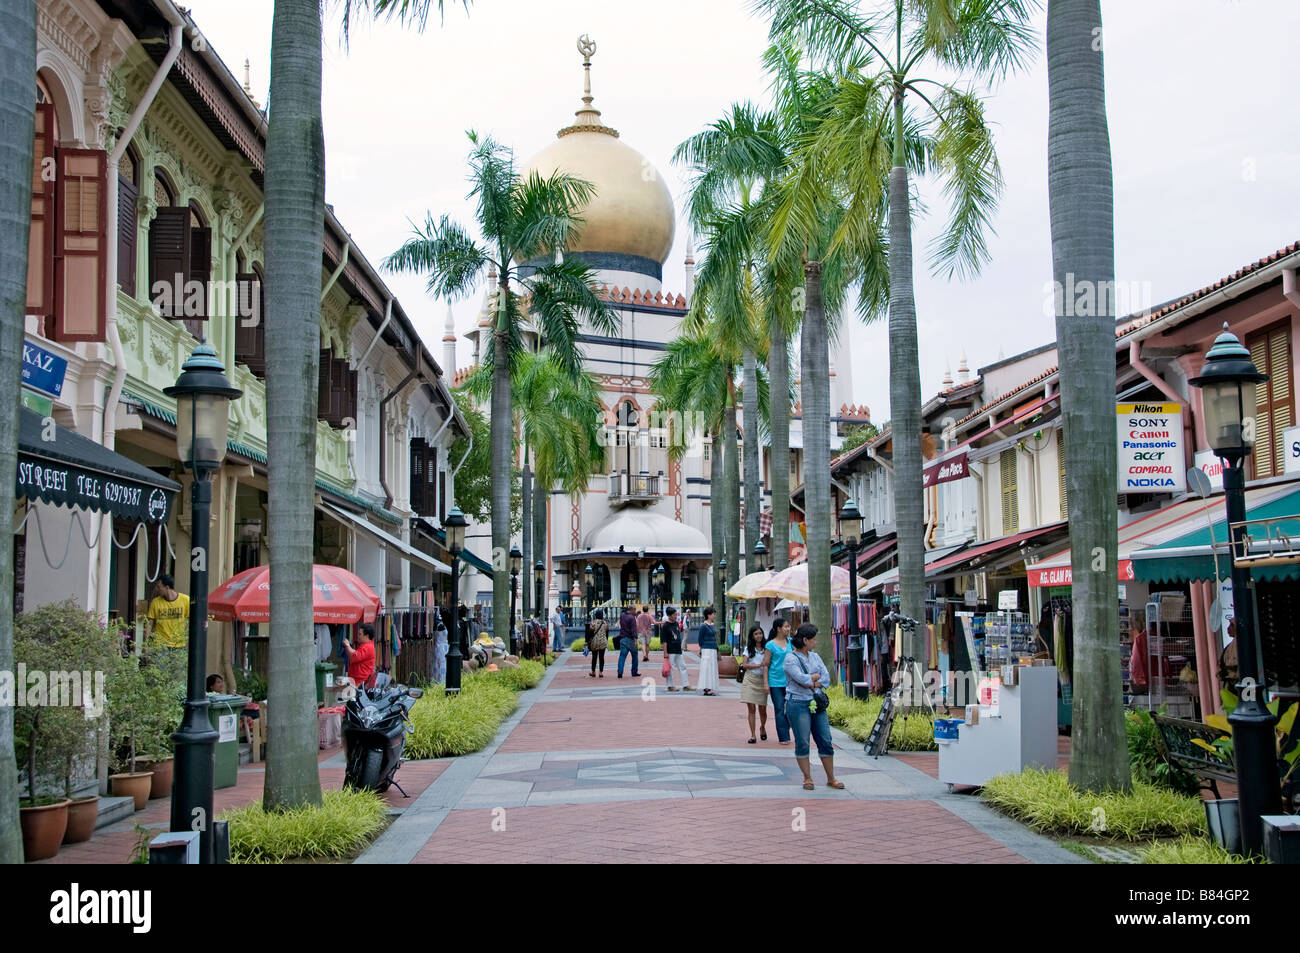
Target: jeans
{"x": 557, "y": 642}
{"x": 627, "y": 645}
{"x": 803, "y": 722}
{"x": 778, "y": 712}
{"x": 677, "y": 670}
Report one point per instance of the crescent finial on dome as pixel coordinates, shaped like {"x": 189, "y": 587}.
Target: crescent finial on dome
{"x": 588, "y": 116}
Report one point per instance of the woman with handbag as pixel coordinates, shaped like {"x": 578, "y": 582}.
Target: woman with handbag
{"x": 753, "y": 681}
{"x": 775, "y": 649}
{"x": 598, "y": 640}
{"x": 806, "y": 703}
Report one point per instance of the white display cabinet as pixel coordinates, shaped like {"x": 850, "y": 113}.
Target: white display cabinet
{"x": 1021, "y": 735}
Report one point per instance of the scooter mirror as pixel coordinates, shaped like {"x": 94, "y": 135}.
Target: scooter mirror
{"x": 416, "y": 692}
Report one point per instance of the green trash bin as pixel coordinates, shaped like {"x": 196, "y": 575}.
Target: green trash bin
{"x": 224, "y": 712}
{"x": 322, "y": 669}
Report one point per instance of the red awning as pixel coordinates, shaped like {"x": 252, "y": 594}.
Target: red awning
{"x": 967, "y": 556}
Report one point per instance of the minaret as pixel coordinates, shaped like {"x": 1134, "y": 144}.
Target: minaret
{"x": 963, "y": 370}
{"x": 947, "y": 376}
{"x": 690, "y": 267}
{"x": 449, "y": 344}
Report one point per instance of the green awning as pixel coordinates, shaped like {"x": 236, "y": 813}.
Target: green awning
{"x": 1189, "y": 557}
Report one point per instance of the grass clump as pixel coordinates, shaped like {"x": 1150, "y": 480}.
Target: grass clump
{"x": 1047, "y": 802}
{"x": 524, "y": 676}
{"x": 344, "y": 822}
{"x": 1190, "y": 850}
{"x": 857, "y": 716}
{"x": 446, "y": 726}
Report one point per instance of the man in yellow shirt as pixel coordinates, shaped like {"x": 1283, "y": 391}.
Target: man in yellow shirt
{"x": 168, "y": 616}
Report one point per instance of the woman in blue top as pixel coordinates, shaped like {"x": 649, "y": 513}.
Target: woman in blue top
{"x": 805, "y": 673}
{"x": 708, "y": 654}
{"x": 775, "y": 650}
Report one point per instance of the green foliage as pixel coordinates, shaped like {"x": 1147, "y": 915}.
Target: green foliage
{"x": 913, "y": 731}
{"x": 474, "y": 478}
{"x": 145, "y": 704}
{"x": 1047, "y": 802}
{"x": 1189, "y": 850}
{"x": 523, "y": 676}
{"x": 343, "y": 823}
{"x": 1145, "y": 759}
{"x": 251, "y": 684}
{"x": 855, "y": 435}
{"x": 578, "y": 645}
{"x": 66, "y": 647}
{"x": 446, "y": 726}
{"x": 726, "y": 648}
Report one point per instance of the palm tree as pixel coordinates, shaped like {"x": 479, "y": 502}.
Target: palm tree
{"x": 520, "y": 220}
{"x": 730, "y": 161}
{"x": 888, "y": 120}
{"x": 1083, "y": 255}
{"x": 17, "y": 128}
{"x": 294, "y": 230}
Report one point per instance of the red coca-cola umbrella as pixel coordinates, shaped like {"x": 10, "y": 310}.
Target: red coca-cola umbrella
{"x": 339, "y": 596}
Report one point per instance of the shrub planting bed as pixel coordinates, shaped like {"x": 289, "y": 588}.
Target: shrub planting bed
{"x": 341, "y": 826}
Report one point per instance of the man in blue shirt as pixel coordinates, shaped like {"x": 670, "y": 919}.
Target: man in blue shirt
{"x": 627, "y": 641}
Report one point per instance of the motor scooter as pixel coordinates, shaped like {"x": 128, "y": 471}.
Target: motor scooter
{"x": 375, "y": 726}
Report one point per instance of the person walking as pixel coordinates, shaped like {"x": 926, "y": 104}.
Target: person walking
{"x": 670, "y": 637}
{"x": 708, "y": 637}
{"x": 774, "y": 652}
{"x": 806, "y": 681}
{"x": 627, "y": 641}
{"x": 644, "y": 625}
{"x": 753, "y": 689}
{"x": 557, "y": 630}
{"x": 167, "y": 621}
{"x": 597, "y": 640}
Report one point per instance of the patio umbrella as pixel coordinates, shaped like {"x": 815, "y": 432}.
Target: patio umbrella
{"x": 792, "y": 583}
{"x": 747, "y": 587}
{"x": 339, "y": 596}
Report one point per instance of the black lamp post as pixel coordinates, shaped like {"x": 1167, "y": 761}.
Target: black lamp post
{"x": 539, "y": 577}
{"x": 455, "y": 526}
{"x": 516, "y": 565}
{"x": 1228, "y": 385}
{"x": 588, "y": 578}
{"x": 203, "y": 396}
{"x": 657, "y": 585}
{"x": 851, "y": 533}
{"x": 760, "y": 556}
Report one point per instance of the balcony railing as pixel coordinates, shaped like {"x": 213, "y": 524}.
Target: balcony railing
{"x": 627, "y": 487}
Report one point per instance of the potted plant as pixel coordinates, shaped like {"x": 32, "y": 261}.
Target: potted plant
{"x": 128, "y": 697}
{"x": 165, "y": 686}
{"x": 727, "y": 665}
{"x": 39, "y": 732}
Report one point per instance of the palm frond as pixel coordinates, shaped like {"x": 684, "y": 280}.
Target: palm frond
{"x": 972, "y": 184}
{"x": 445, "y": 252}
{"x": 984, "y": 38}
{"x": 544, "y": 213}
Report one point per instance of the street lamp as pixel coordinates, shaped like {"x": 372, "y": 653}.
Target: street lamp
{"x": 657, "y": 584}
{"x": 851, "y": 533}
{"x": 203, "y": 396}
{"x": 539, "y": 577}
{"x": 516, "y": 565}
{"x": 760, "y": 556}
{"x": 1228, "y": 384}
{"x": 454, "y": 524}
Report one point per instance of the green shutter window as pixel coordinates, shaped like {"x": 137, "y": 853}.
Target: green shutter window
{"x": 1060, "y": 473}
{"x": 1010, "y": 501}
{"x": 1270, "y": 349}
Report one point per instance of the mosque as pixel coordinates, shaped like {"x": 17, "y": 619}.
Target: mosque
{"x": 640, "y": 532}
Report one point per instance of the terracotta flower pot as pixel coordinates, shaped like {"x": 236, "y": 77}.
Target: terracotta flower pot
{"x": 727, "y": 666}
{"x": 133, "y": 786}
{"x": 82, "y": 814}
{"x": 161, "y": 785}
{"x": 43, "y": 829}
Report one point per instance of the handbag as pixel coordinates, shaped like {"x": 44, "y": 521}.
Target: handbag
{"x": 740, "y": 668}
{"x": 819, "y": 697}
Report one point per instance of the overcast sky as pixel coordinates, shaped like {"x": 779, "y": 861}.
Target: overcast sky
{"x": 1205, "y": 144}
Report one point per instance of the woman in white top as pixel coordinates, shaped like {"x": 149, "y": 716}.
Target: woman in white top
{"x": 753, "y": 690}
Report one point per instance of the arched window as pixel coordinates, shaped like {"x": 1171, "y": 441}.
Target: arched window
{"x": 180, "y": 257}
{"x": 629, "y": 583}
{"x": 128, "y": 194}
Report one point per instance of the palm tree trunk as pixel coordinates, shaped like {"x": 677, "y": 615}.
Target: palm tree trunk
{"x": 295, "y": 222}
{"x": 816, "y": 400}
{"x": 905, "y": 400}
{"x": 17, "y": 127}
{"x": 753, "y": 491}
{"x": 1080, "y": 190}
{"x": 502, "y": 470}
{"x": 778, "y": 369}
{"x": 731, "y": 530}
{"x": 718, "y": 520}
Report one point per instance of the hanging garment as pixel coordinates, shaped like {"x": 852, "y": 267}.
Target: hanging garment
{"x": 1058, "y": 648}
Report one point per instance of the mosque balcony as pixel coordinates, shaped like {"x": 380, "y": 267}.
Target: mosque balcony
{"x": 633, "y": 489}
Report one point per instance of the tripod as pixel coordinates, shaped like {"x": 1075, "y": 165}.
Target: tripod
{"x": 878, "y": 740}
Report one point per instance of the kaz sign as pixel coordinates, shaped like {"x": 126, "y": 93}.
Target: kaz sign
{"x": 1151, "y": 448}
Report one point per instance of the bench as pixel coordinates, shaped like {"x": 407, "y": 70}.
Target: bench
{"x": 1178, "y": 748}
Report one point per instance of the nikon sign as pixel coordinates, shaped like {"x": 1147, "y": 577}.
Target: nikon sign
{"x": 1151, "y": 456}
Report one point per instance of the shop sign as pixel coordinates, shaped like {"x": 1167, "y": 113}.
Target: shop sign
{"x": 1291, "y": 449}
{"x": 946, "y": 470}
{"x": 42, "y": 370}
{"x": 1212, "y": 467}
{"x": 989, "y": 690}
{"x": 66, "y": 485}
{"x": 1064, "y": 575}
{"x": 1008, "y": 600}
{"x": 1150, "y": 441}
{"x": 37, "y": 402}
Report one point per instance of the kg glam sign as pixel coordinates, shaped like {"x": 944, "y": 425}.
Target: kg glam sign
{"x": 1150, "y": 440}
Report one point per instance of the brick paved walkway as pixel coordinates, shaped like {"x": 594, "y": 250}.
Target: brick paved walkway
{"x": 606, "y": 770}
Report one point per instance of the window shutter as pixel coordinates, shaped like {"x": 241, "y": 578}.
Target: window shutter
{"x": 1060, "y": 473}
{"x": 81, "y": 246}
{"x": 169, "y": 260}
{"x": 417, "y": 476}
{"x": 1010, "y": 501}
{"x": 1270, "y": 350}
{"x": 250, "y": 332}
{"x": 323, "y": 385}
{"x": 442, "y": 498}
{"x": 338, "y": 392}
{"x": 126, "y": 234}
{"x": 200, "y": 269}
{"x": 430, "y": 479}
{"x": 40, "y": 249}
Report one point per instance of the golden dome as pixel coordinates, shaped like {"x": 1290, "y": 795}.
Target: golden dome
{"x": 631, "y": 215}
